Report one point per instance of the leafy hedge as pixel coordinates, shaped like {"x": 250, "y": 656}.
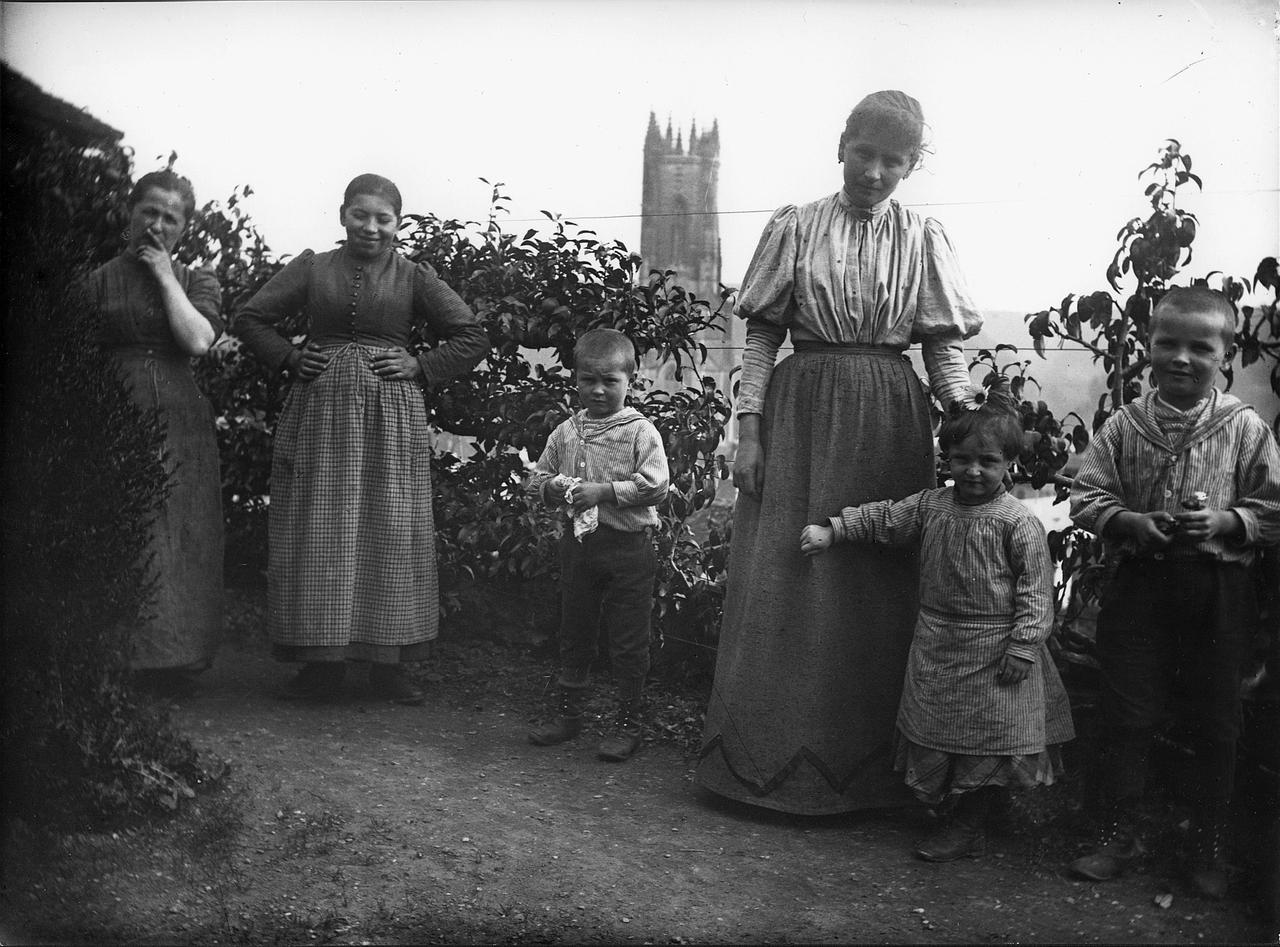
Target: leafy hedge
{"x": 535, "y": 293}
{"x": 83, "y": 476}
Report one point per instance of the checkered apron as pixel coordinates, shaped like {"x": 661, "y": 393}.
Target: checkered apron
{"x": 352, "y": 537}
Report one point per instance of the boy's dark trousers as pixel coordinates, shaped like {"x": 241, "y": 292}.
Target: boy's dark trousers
{"x": 1172, "y": 639}
{"x": 607, "y": 576}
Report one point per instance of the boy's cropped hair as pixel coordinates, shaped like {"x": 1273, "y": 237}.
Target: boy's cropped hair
{"x": 1191, "y": 299}
{"x": 993, "y": 419}
{"x": 607, "y": 345}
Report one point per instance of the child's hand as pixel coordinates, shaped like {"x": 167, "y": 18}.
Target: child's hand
{"x": 557, "y": 488}
{"x": 1012, "y": 670}
{"x": 1195, "y": 526}
{"x": 816, "y": 539}
{"x": 1147, "y": 530}
{"x": 583, "y": 496}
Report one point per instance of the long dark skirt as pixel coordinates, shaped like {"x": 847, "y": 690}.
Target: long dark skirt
{"x": 184, "y": 622}
{"x": 813, "y": 650}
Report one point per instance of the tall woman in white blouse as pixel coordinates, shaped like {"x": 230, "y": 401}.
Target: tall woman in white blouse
{"x": 812, "y": 652}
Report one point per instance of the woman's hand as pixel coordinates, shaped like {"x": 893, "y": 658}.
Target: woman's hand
{"x": 308, "y": 362}
{"x": 396, "y": 365}
{"x": 155, "y": 257}
{"x": 1012, "y": 669}
{"x": 748, "y": 465}
{"x": 191, "y": 331}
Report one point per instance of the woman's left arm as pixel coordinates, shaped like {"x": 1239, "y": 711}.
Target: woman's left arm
{"x": 465, "y": 342}
{"x": 944, "y": 362}
{"x": 193, "y": 320}
{"x": 945, "y": 316}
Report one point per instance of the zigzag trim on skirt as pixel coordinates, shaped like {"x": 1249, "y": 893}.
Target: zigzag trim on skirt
{"x": 804, "y": 754}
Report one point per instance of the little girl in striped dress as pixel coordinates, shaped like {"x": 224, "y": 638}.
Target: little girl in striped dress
{"x": 982, "y": 704}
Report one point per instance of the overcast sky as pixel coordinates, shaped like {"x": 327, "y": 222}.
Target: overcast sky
{"x": 1041, "y": 113}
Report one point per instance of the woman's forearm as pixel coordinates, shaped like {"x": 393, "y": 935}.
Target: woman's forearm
{"x": 944, "y": 362}
{"x": 191, "y": 331}
{"x": 759, "y": 353}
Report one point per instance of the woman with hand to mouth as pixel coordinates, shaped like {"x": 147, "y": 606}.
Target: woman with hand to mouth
{"x": 812, "y": 651}
{"x": 352, "y": 569}
{"x": 156, "y": 315}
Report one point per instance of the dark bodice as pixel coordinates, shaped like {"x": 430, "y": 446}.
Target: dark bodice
{"x": 369, "y": 302}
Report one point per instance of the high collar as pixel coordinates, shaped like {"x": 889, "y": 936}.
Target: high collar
{"x": 624, "y": 415}
{"x": 1160, "y": 405}
{"x": 351, "y": 259}
{"x": 874, "y": 212}
{"x": 963, "y": 504}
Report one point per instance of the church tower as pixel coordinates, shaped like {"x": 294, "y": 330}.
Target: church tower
{"x": 680, "y": 226}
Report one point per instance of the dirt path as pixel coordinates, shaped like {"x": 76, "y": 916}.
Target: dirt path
{"x": 360, "y": 822}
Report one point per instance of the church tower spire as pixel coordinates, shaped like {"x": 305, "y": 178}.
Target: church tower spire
{"x": 653, "y": 137}
{"x": 680, "y": 227}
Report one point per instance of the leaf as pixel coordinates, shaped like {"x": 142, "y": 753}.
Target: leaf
{"x": 1079, "y": 438}
{"x": 1267, "y": 274}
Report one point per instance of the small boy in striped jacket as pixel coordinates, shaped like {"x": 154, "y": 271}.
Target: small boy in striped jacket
{"x": 1183, "y": 486}
{"x": 606, "y": 467}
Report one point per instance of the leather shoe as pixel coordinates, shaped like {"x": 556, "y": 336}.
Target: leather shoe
{"x": 1108, "y": 861}
{"x": 390, "y": 682}
{"x": 317, "y": 681}
{"x": 956, "y": 839}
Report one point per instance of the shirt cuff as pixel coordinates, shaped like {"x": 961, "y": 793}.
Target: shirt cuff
{"x": 1021, "y": 649}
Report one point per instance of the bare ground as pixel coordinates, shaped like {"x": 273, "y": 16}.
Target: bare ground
{"x": 359, "y": 822}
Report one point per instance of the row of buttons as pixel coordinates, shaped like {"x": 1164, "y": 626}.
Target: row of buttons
{"x": 355, "y": 285}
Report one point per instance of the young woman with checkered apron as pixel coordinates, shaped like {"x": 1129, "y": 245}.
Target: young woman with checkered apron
{"x": 352, "y": 569}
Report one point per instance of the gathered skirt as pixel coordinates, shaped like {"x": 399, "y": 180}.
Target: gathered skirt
{"x": 936, "y": 775}
{"x": 352, "y": 567}
{"x": 812, "y": 650}
{"x": 183, "y": 625}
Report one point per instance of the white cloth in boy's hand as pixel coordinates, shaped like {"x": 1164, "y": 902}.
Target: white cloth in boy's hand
{"x": 589, "y": 519}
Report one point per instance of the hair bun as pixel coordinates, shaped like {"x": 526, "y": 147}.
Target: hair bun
{"x": 895, "y": 100}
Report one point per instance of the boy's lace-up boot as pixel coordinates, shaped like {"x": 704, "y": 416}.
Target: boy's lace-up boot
{"x": 1118, "y": 845}
{"x": 567, "y": 722}
{"x": 964, "y": 831}
{"x": 1206, "y": 865}
{"x": 625, "y": 739}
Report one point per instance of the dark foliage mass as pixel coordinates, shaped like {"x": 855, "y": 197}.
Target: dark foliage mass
{"x": 83, "y": 476}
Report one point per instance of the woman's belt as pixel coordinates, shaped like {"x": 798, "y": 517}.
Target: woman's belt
{"x": 842, "y": 348}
